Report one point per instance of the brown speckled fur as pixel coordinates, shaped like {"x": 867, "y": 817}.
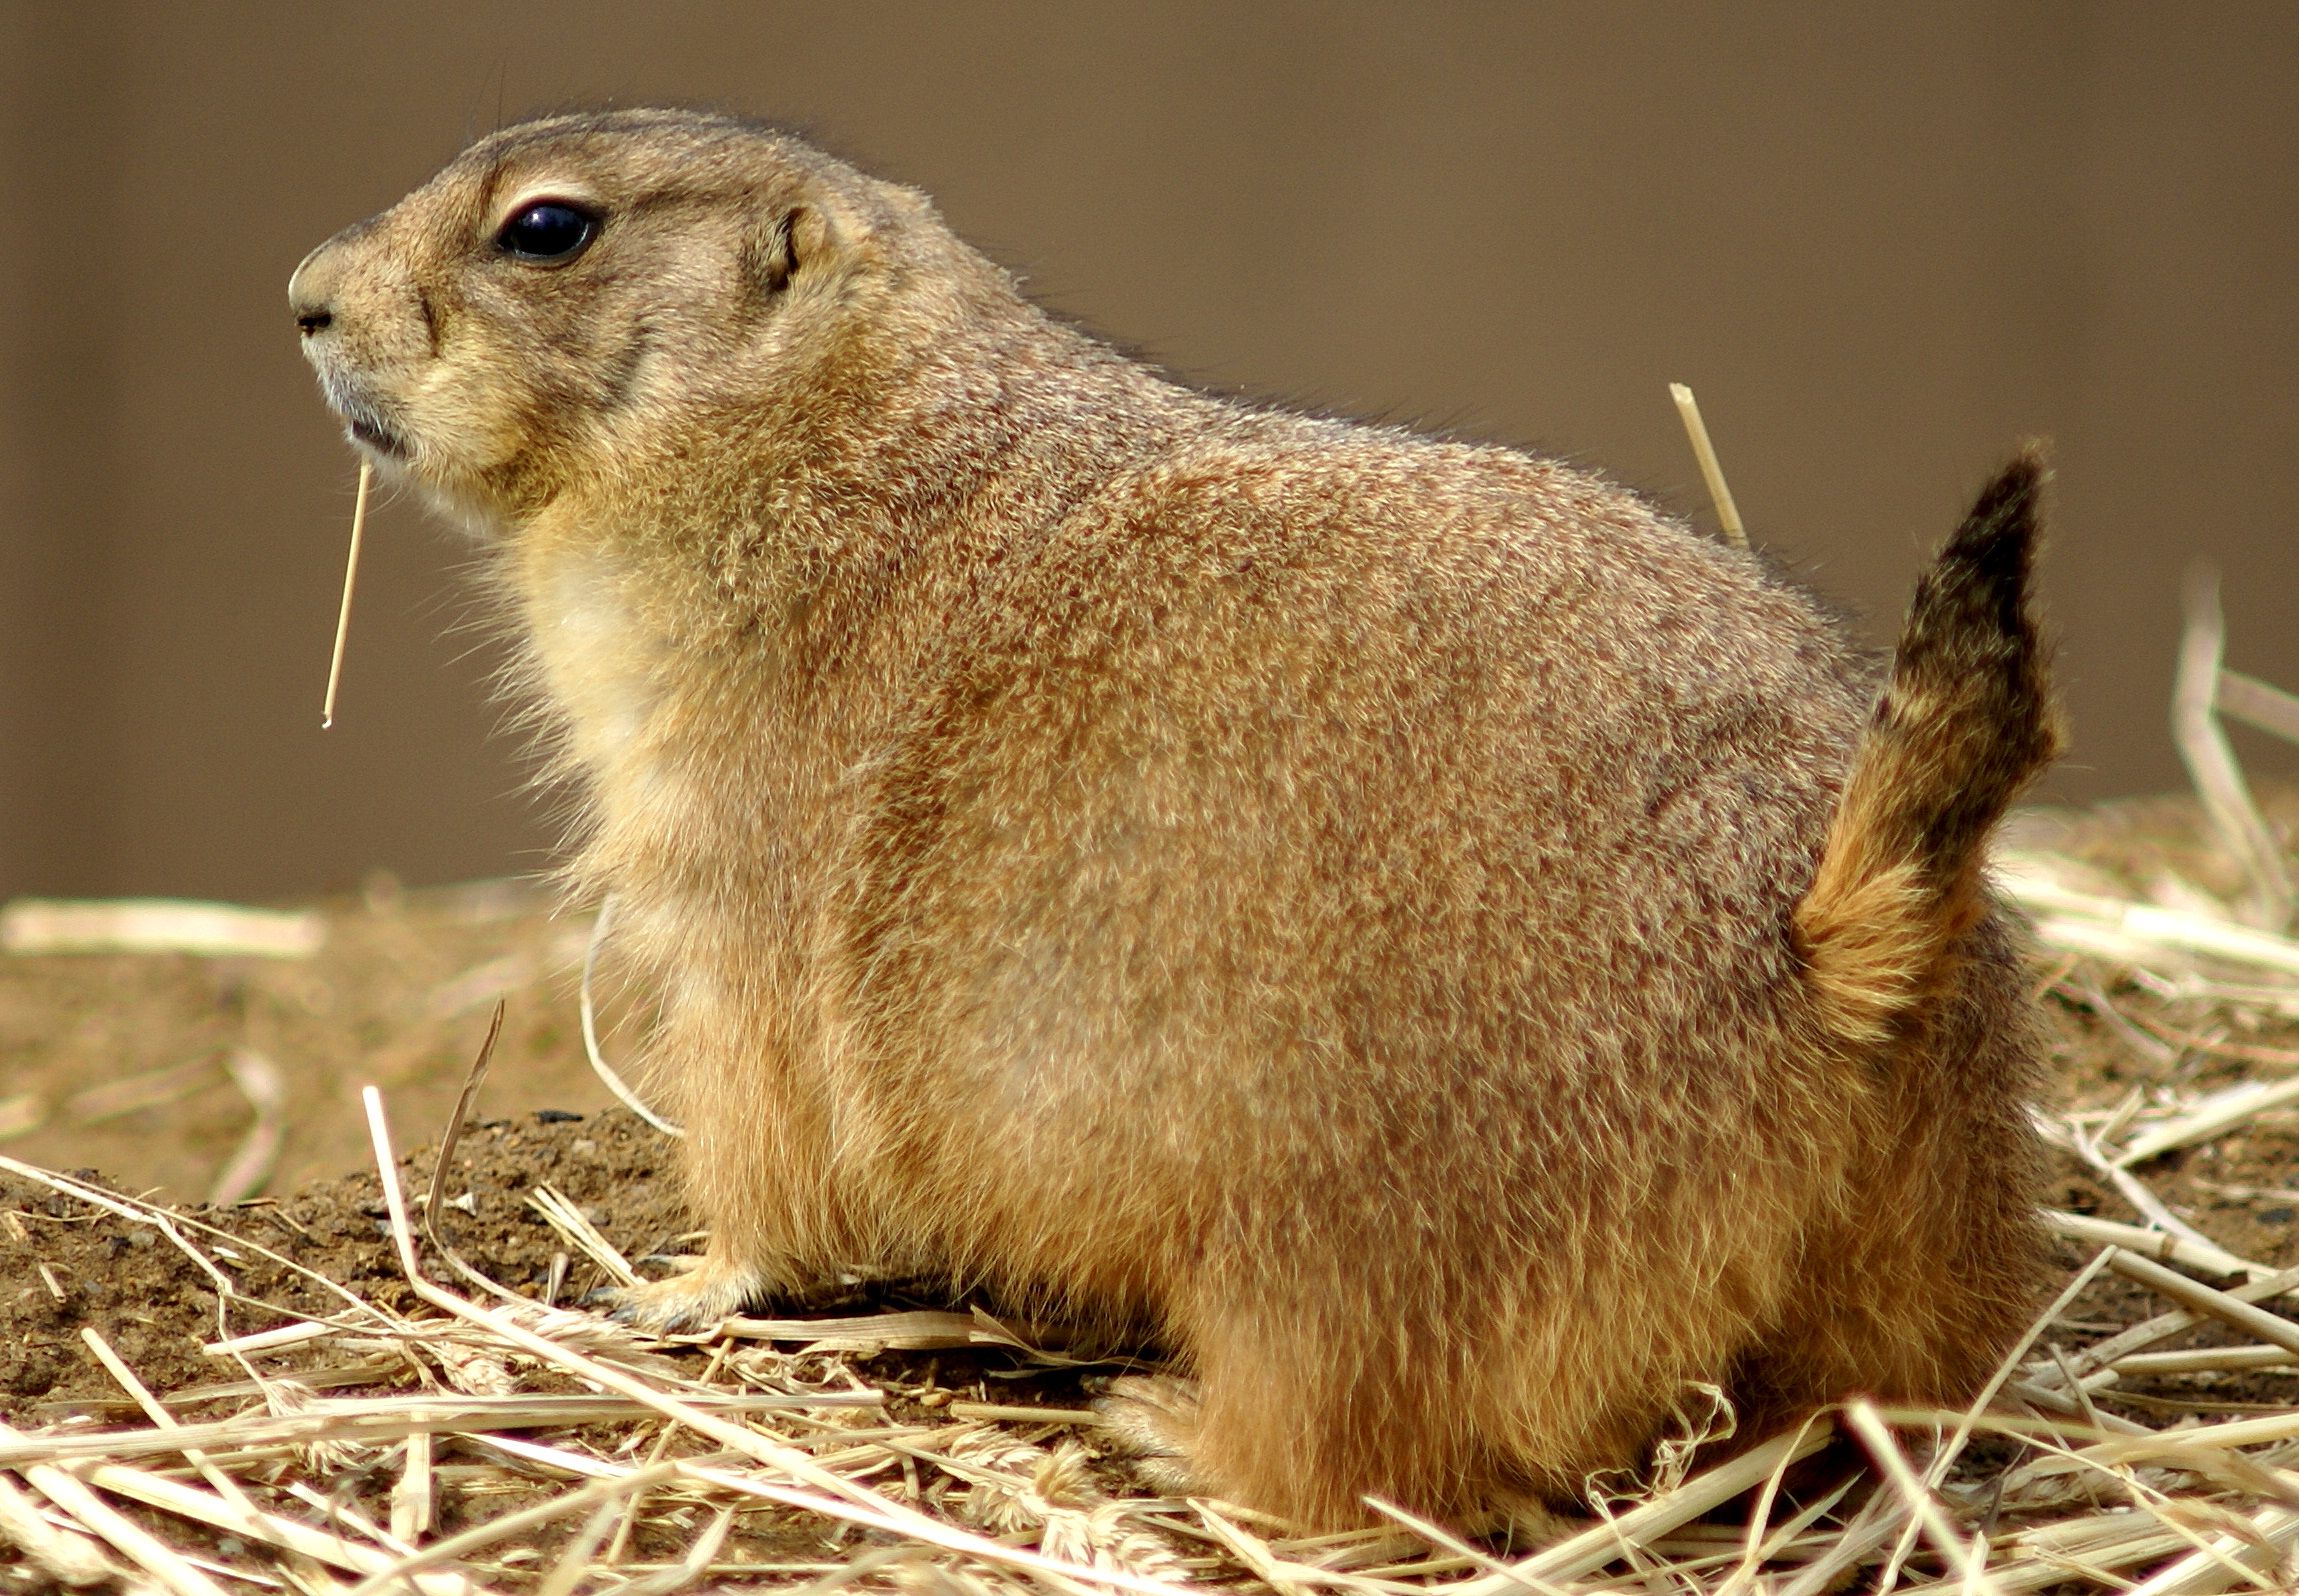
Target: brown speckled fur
{"x": 1404, "y": 923}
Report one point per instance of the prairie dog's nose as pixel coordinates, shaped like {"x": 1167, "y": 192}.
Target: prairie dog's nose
{"x": 311, "y": 290}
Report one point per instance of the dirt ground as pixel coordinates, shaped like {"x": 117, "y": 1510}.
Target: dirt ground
{"x": 124, "y": 1279}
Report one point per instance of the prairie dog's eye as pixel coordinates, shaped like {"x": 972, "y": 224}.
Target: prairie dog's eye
{"x": 548, "y": 230}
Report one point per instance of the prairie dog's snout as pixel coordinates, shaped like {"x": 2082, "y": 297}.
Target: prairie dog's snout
{"x": 363, "y": 322}
{"x": 1454, "y": 955}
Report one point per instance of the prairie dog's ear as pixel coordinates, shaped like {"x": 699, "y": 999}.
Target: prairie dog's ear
{"x": 792, "y": 239}
{"x": 814, "y": 235}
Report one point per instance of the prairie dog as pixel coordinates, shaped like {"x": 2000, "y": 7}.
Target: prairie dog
{"x": 1457, "y": 958}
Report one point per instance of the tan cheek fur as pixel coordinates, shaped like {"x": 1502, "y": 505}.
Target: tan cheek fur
{"x": 466, "y": 411}
{"x": 1319, "y": 897}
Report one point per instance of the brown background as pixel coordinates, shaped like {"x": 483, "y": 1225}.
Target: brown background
{"x": 1881, "y": 242}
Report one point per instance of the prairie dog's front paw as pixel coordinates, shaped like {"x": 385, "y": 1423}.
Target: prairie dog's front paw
{"x": 695, "y": 1300}
{"x": 1151, "y": 1421}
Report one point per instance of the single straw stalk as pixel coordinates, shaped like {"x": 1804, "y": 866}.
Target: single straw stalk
{"x": 1711, "y": 469}
{"x": 350, "y": 580}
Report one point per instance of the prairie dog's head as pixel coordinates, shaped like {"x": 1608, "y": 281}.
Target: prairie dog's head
{"x": 575, "y": 288}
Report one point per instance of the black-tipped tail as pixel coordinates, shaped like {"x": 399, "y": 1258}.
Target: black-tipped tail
{"x": 1966, "y": 722}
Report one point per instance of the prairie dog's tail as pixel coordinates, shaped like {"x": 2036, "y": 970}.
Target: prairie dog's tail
{"x": 1967, "y": 720}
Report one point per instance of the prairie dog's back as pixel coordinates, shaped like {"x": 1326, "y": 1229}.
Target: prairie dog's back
{"x": 1386, "y": 916}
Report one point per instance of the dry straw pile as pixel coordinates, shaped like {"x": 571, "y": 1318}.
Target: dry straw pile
{"x": 2108, "y": 1455}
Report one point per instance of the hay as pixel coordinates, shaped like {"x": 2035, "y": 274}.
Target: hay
{"x": 435, "y": 1430}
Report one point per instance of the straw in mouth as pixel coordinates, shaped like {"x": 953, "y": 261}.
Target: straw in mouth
{"x": 350, "y": 579}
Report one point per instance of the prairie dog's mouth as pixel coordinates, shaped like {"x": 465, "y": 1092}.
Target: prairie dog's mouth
{"x": 364, "y": 420}
{"x": 377, "y": 436}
